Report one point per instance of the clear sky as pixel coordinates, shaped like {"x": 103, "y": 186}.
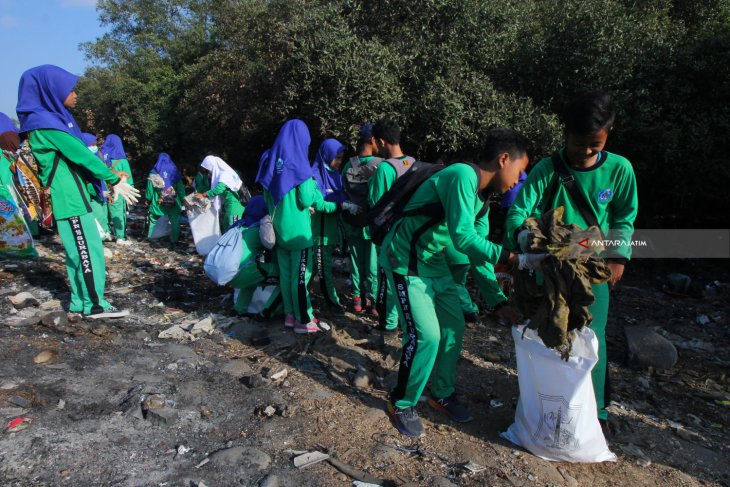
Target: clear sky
{"x": 34, "y": 32}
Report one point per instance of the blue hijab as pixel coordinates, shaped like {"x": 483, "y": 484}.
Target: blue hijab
{"x": 508, "y": 198}
{"x": 255, "y": 210}
{"x": 167, "y": 170}
{"x": 286, "y": 165}
{"x": 89, "y": 139}
{"x": 41, "y": 93}
{"x": 328, "y": 179}
{"x": 112, "y": 149}
{"x": 6, "y": 125}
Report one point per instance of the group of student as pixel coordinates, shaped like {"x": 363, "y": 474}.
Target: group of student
{"x": 413, "y": 281}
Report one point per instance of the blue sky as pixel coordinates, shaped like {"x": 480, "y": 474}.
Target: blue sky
{"x": 34, "y": 32}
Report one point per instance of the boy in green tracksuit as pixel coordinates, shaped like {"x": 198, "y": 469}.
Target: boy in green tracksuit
{"x": 225, "y": 183}
{"x": 363, "y": 256}
{"x": 116, "y": 158}
{"x": 387, "y": 139}
{"x": 459, "y": 266}
{"x": 165, "y": 195}
{"x": 427, "y": 297}
{"x": 256, "y": 267}
{"x": 326, "y": 232}
{"x": 64, "y": 163}
{"x": 607, "y": 183}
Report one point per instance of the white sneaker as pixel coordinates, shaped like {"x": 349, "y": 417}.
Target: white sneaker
{"x": 123, "y": 242}
{"x": 110, "y": 312}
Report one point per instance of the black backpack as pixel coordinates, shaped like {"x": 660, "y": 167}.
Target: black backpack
{"x": 389, "y": 209}
{"x": 355, "y": 185}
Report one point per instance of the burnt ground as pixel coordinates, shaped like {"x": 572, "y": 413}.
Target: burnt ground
{"x": 214, "y": 416}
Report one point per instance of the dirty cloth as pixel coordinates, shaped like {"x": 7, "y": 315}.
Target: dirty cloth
{"x": 557, "y": 299}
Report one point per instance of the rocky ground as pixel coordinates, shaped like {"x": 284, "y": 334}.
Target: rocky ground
{"x": 225, "y": 401}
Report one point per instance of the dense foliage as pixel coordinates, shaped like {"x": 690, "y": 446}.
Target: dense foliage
{"x": 197, "y": 76}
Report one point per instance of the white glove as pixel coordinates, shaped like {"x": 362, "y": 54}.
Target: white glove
{"x": 351, "y": 207}
{"x": 311, "y": 211}
{"x": 126, "y": 191}
{"x": 531, "y": 262}
{"x": 523, "y": 240}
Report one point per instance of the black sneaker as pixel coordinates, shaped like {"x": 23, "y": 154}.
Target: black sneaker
{"x": 451, "y": 406}
{"x": 406, "y": 420}
{"x": 110, "y": 312}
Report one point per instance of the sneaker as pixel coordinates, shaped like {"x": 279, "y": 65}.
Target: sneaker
{"x": 310, "y": 327}
{"x": 110, "y": 312}
{"x": 356, "y": 304}
{"x": 451, "y": 406}
{"x": 123, "y": 242}
{"x": 406, "y": 420}
{"x": 321, "y": 324}
{"x": 289, "y": 321}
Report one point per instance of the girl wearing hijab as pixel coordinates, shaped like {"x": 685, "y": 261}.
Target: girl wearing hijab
{"x": 289, "y": 191}
{"x": 326, "y": 226}
{"x": 224, "y": 183}
{"x": 257, "y": 263}
{"x": 165, "y": 195}
{"x": 66, "y": 166}
{"x": 99, "y": 197}
{"x": 113, "y": 152}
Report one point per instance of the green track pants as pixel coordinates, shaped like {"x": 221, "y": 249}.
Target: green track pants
{"x": 364, "y": 267}
{"x": 433, "y": 328}
{"x": 247, "y": 280}
{"x": 295, "y": 271}
{"x": 101, "y": 213}
{"x": 323, "y": 256}
{"x": 459, "y": 273}
{"x": 118, "y": 218}
{"x": 599, "y": 374}
{"x": 84, "y": 263}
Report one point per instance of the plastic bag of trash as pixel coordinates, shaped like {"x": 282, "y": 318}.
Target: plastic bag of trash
{"x": 15, "y": 239}
{"x": 556, "y": 413}
{"x": 260, "y": 297}
{"x": 223, "y": 262}
{"x": 204, "y": 226}
{"x": 162, "y": 228}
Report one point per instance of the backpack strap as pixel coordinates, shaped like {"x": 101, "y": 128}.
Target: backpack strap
{"x": 564, "y": 178}
{"x": 401, "y": 166}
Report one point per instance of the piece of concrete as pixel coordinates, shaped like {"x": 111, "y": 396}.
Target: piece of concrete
{"x": 56, "y": 320}
{"x": 241, "y": 456}
{"x": 237, "y": 368}
{"x": 162, "y": 417}
{"x": 649, "y": 349}
{"x": 23, "y": 300}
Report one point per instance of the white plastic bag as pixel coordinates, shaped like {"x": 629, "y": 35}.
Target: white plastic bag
{"x": 162, "y": 228}
{"x": 261, "y": 296}
{"x": 556, "y": 413}
{"x": 224, "y": 260}
{"x": 266, "y": 232}
{"x": 205, "y": 228}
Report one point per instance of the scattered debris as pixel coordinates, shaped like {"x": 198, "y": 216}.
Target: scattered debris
{"x": 43, "y": 357}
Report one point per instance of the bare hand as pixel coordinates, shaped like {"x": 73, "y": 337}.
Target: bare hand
{"x": 508, "y": 314}
{"x": 199, "y": 196}
{"x": 617, "y": 272}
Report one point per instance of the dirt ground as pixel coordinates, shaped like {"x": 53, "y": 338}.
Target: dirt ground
{"x": 117, "y": 405}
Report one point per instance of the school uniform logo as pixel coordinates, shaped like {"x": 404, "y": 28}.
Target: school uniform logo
{"x": 279, "y": 166}
{"x": 605, "y": 196}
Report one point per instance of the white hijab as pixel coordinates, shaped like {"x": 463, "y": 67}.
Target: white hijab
{"x": 220, "y": 172}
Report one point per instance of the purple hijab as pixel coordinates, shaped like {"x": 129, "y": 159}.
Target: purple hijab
{"x": 286, "y": 165}
{"x": 112, "y": 149}
{"x": 167, "y": 170}
{"x": 328, "y": 179}
{"x": 508, "y": 198}
{"x": 6, "y": 125}
{"x": 255, "y": 210}
{"x": 41, "y": 93}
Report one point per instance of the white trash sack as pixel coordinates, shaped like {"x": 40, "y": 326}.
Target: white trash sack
{"x": 205, "y": 228}
{"x": 162, "y": 228}
{"x": 556, "y": 413}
